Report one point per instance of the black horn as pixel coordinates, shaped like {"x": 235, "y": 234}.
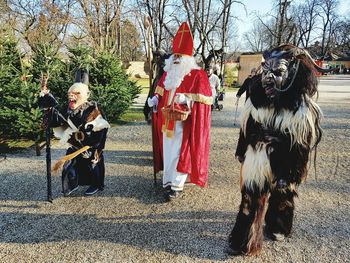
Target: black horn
{"x": 85, "y": 78}
{"x": 78, "y": 76}
{"x": 298, "y": 52}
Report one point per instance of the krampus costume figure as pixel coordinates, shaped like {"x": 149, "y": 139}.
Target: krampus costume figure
{"x": 84, "y": 127}
{"x": 280, "y": 125}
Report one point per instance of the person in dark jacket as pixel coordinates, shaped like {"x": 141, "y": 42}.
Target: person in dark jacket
{"x": 246, "y": 84}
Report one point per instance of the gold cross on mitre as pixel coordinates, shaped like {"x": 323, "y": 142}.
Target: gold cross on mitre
{"x": 182, "y": 31}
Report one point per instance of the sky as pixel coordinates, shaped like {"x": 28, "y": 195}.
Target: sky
{"x": 265, "y": 6}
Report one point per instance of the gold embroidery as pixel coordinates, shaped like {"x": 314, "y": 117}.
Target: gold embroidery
{"x": 159, "y": 90}
{"x": 195, "y": 97}
{"x": 165, "y": 129}
{"x": 200, "y": 98}
{"x": 169, "y": 133}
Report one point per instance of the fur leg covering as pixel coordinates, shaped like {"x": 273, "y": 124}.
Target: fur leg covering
{"x": 247, "y": 234}
{"x": 279, "y": 216}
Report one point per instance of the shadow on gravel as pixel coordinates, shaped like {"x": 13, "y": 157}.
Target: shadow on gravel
{"x": 20, "y": 206}
{"x": 138, "y": 158}
{"x": 136, "y": 187}
{"x": 201, "y": 235}
{"x": 224, "y": 123}
{"x": 33, "y": 188}
{"x": 27, "y": 187}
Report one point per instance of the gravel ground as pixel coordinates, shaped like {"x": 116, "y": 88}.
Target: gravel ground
{"x": 130, "y": 222}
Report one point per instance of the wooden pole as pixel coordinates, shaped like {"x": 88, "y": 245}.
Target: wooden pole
{"x": 149, "y": 51}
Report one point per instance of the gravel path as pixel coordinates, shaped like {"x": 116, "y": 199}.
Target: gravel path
{"x": 129, "y": 221}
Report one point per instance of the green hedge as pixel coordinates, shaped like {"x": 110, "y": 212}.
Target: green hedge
{"x": 20, "y": 116}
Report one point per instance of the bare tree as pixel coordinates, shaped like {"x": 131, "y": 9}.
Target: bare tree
{"x": 342, "y": 36}
{"x": 306, "y": 14}
{"x": 5, "y": 16}
{"x": 329, "y": 18}
{"x": 313, "y": 24}
{"x": 203, "y": 17}
{"x": 131, "y": 42}
{"x": 101, "y": 23}
{"x": 281, "y": 27}
{"x": 257, "y": 38}
{"x": 158, "y": 16}
{"x": 282, "y": 20}
{"x": 41, "y": 22}
{"x": 210, "y": 21}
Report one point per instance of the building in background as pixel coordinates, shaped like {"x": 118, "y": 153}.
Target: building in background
{"x": 247, "y": 62}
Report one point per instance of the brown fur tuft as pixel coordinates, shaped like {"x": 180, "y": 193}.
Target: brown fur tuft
{"x": 93, "y": 115}
{"x": 58, "y": 165}
{"x": 256, "y": 232}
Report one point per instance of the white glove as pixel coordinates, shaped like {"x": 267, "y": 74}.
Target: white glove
{"x": 180, "y": 98}
{"x": 152, "y": 102}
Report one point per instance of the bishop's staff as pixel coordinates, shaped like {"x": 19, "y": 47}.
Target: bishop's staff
{"x": 147, "y": 24}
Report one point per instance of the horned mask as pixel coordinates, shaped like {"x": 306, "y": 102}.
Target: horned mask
{"x": 281, "y": 67}
{"x": 79, "y": 92}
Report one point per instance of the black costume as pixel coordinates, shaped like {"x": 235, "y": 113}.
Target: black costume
{"x": 246, "y": 86}
{"x": 83, "y": 126}
{"x": 280, "y": 125}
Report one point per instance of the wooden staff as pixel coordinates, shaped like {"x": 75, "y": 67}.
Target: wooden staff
{"x": 234, "y": 121}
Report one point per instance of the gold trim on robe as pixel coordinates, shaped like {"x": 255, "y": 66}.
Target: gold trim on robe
{"x": 159, "y": 90}
{"x": 200, "y": 98}
{"x": 193, "y": 96}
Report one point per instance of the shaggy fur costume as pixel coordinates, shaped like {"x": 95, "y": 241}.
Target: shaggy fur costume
{"x": 280, "y": 125}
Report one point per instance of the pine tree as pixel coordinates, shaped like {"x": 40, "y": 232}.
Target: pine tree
{"x": 45, "y": 60}
{"x": 19, "y": 115}
{"x": 109, "y": 83}
{"x": 111, "y": 87}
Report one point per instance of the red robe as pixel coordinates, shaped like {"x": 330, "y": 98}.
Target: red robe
{"x": 194, "y": 154}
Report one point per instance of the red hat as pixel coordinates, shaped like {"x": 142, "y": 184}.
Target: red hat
{"x": 183, "y": 41}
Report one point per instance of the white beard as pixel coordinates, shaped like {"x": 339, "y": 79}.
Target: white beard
{"x": 177, "y": 72}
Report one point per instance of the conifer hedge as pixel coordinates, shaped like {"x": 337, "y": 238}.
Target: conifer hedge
{"x": 20, "y": 116}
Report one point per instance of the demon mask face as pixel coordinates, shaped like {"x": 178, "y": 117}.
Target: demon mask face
{"x": 78, "y": 94}
{"x": 279, "y": 71}
{"x": 281, "y": 68}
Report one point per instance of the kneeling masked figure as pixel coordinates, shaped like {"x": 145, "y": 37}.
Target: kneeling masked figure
{"x": 280, "y": 125}
{"x": 84, "y": 127}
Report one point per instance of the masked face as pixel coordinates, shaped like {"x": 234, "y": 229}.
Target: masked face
{"x": 274, "y": 76}
{"x": 78, "y": 94}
